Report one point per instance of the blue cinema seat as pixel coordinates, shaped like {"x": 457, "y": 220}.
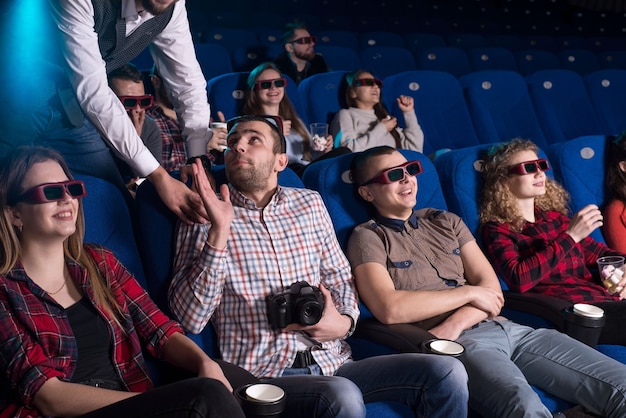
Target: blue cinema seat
{"x": 578, "y": 165}
{"x": 607, "y": 89}
{"x": 108, "y": 223}
{"x": 320, "y": 96}
{"x": 439, "y": 105}
{"x": 491, "y": 58}
{"x": 156, "y": 240}
{"x": 450, "y": 59}
{"x": 384, "y": 61}
{"x": 562, "y": 105}
{"x": 500, "y": 106}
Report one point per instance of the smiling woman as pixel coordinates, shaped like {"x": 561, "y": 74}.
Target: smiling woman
{"x": 66, "y": 309}
{"x": 533, "y": 245}
{"x": 366, "y": 123}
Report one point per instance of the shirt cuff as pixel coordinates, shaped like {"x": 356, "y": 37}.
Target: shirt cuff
{"x": 197, "y": 144}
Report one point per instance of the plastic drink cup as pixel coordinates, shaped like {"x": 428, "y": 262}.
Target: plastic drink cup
{"x": 611, "y": 272}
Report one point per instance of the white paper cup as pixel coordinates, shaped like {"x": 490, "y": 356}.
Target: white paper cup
{"x": 264, "y": 392}
{"x": 590, "y": 311}
{"x": 218, "y": 125}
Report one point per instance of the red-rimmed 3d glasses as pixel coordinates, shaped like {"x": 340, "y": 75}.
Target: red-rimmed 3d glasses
{"x": 393, "y": 174}
{"x": 52, "y": 192}
{"x": 369, "y": 82}
{"x": 530, "y": 167}
{"x": 130, "y": 102}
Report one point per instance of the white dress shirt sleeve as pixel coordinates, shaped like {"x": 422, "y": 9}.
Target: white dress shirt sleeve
{"x": 87, "y": 74}
{"x": 175, "y": 57}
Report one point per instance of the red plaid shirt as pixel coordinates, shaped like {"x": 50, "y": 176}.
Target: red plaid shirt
{"x": 542, "y": 258}
{"x": 173, "y": 154}
{"x": 38, "y": 343}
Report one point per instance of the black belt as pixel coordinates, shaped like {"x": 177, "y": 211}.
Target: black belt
{"x": 303, "y": 359}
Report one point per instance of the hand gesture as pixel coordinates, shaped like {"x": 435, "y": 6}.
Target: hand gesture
{"x": 219, "y": 211}
{"x": 179, "y": 198}
{"x": 584, "y": 222}
{"x": 286, "y": 127}
{"x": 137, "y": 115}
{"x": 390, "y": 123}
{"x": 405, "y": 103}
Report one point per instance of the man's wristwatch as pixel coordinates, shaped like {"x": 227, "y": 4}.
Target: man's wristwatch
{"x": 352, "y": 328}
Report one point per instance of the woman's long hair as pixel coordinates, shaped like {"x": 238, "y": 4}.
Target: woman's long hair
{"x": 614, "y": 155}
{"x": 13, "y": 169}
{"x": 380, "y": 110}
{"x": 498, "y": 202}
{"x": 253, "y": 106}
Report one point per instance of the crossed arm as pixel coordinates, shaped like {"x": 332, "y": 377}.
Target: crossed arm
{"x": 481, "y": 298}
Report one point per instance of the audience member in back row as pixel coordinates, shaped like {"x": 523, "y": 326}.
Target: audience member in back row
{"x": 614, "y": 229}
{"x": 299, "y": 59}
{"x": 263, "y": 238}
{"x": 74, "y": 320}
{"x": 424, "y": 266}
{"x": 533, "y": 245}
{"x": 366, "y": 123}
{"x": 128, "y": 84}
{"x": 266, "y": 95}
{"x": 174, "y": 155}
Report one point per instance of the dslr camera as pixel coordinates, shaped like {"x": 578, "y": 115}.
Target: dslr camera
{"x": 300, "y": 303}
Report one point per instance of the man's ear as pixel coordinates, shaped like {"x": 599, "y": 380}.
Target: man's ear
{"x": 365, "y": 194}
{"x": 622, "y": 166}
{"x": 281, "y": 162}
{"x": 289, "y": 48}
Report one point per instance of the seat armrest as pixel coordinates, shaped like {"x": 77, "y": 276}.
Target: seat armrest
{"x": 405, "y": 338}
{"x": 549, "y": 308}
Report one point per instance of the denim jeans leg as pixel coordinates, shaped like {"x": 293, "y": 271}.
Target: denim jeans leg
{"x": 433, "y": 386}
{"x": 497, "y": 387}
{"x": 320, "y": 396}
{"x": 573, "y": 371}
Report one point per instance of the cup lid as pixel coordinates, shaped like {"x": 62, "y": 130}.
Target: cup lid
{"x": 590, "y": 311}
{"x": 264, "y": 392}
{"x": 446, "y": 347}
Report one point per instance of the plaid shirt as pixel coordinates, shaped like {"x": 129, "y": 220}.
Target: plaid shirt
{"x": 38, "y": 343}
{"x": 173, "y": 155}
{"x": 270, "y": 248}
{"x": 542, "y": 258}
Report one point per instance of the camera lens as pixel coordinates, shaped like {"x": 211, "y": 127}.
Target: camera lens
{"x": 310, "y": 313}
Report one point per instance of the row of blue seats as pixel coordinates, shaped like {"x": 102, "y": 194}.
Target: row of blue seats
{"x": 451, "y": 182}
{"x": 548, "y": 106}
{"x": 520, "y": 17}
{"x": 214, "y": 59}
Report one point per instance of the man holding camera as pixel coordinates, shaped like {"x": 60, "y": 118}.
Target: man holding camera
{"x": 243, "y": 269}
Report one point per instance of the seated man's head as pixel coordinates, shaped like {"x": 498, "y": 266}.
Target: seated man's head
{"x": 127, "y": 84}
{"x": 298, "y": 42}
{"x": 384, "y": 178}
{"x": 160, "y": 93}
{"x": 256, "y": 153}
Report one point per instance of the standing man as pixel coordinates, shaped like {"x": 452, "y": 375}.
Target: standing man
{"x": 64, "y": 58}
{"x": 299, "y": 59}
{"x": 262, "y": 238}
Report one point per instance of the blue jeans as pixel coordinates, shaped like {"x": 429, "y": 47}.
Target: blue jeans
{"x": 503, "y": 359}
{"x": 433, "y": 386}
